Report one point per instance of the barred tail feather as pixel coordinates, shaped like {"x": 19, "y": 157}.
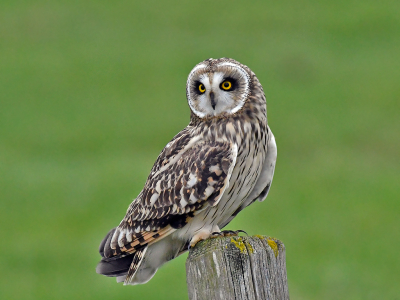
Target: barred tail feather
{"x": 137, "y": 260}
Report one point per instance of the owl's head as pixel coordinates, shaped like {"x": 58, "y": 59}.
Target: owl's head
{"x": 218, "y": 87}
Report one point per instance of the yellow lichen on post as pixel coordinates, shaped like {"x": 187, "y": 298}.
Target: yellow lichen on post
{"x": 242, "y": 245}
{"x": 273, "y": 246}
{"x": 239, "y": 244}
{"x": 249, "y": 247}
{"x": 261, "y": 237}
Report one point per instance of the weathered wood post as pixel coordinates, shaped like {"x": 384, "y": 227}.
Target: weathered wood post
{"x": 237, "y": 267}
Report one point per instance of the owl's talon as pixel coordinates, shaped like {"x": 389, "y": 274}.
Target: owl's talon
{"x": 242, "y": 231}
{"x": 232, "y": 232}
{"x": 216, "y": 234}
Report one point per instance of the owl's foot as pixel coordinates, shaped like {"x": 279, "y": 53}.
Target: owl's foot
{"x": 205, "y": 234}
{"x": 201, "y": 235}
{"x": 233, "y": 232}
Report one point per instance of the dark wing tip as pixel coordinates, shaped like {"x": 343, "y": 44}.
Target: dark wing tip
{"x": 105, "y": 243}
{"x": 115, "y": 267}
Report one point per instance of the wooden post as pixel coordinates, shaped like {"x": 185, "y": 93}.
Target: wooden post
{"x": 237, "y": 267}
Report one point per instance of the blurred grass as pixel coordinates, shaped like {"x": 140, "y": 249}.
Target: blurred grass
{"x": 90, "y": 92}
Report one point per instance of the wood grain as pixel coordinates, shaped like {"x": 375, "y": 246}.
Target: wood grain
{"x": 237, "y": 268}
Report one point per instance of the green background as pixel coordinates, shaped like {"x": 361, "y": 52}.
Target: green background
{"x": 91, "y": 91}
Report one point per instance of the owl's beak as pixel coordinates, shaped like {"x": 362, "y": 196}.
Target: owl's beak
{"x": 213, "y": 102}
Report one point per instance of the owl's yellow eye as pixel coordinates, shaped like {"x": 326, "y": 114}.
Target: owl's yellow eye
{"x": 226, "y": 85}
{"x": 202, "y": 89}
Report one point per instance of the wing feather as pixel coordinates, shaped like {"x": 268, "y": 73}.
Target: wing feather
{"x": 188, "y": 175}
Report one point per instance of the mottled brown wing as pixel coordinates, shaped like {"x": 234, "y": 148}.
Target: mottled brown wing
{"x": 180, "y": 184}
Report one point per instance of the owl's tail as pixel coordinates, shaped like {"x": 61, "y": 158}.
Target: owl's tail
{"x": 122, "y": 267}
{"x": 140, "y": 266}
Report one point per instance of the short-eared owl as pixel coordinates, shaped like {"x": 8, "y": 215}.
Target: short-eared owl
{"x": 220, "y": 163}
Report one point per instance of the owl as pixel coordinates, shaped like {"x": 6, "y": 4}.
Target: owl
{"x": 222, "y": 162}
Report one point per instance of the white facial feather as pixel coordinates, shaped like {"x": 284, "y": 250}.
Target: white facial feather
{"x": 246, "y": 77}
{"x": 225, "y": 101}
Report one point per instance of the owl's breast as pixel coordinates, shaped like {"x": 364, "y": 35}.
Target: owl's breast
{"x": 243, "y": 179}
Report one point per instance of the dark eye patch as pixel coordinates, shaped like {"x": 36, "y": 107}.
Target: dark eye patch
{"x": 199, "y": 87}
{"x": 233, "y": 84}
